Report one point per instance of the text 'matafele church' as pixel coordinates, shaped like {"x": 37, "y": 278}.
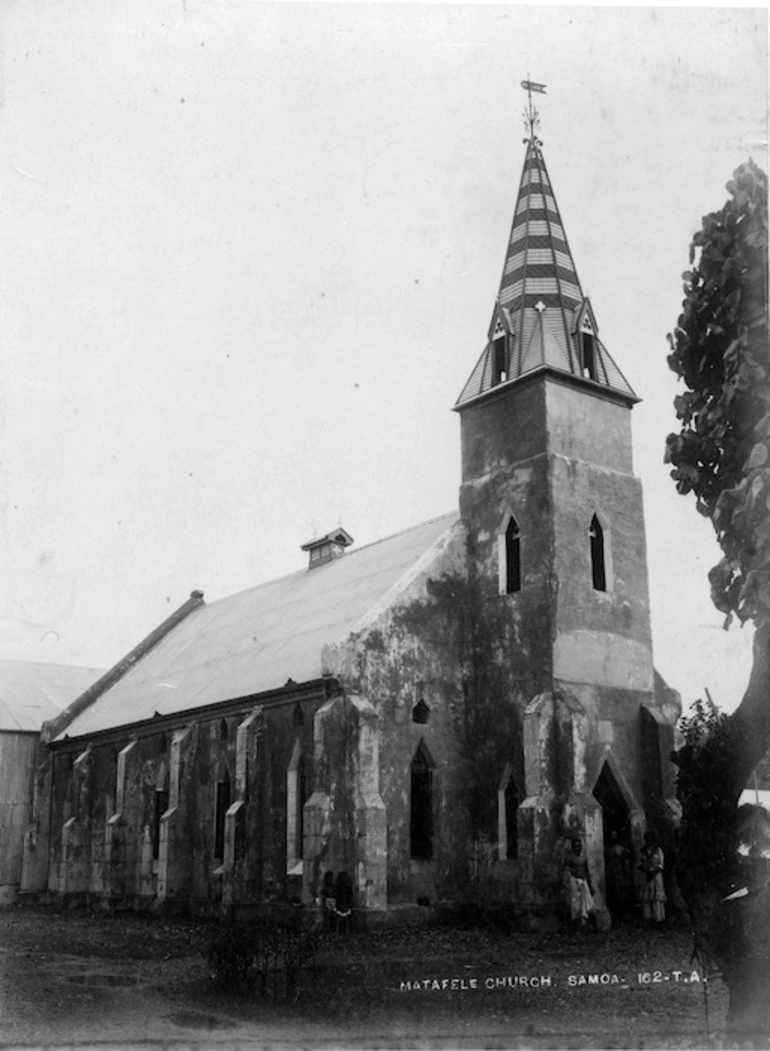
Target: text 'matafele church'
{"x": 437, "y": 713}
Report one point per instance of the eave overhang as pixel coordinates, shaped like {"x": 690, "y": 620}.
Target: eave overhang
{"x": 568, "y": 379}
{"x": 315, "y": 689}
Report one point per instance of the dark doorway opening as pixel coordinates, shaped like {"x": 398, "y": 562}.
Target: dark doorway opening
{"x": 619, "y": 860}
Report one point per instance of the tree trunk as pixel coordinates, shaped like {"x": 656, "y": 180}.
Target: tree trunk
{"x": 733, "y": 936}
{"x": 748, "y": 1021}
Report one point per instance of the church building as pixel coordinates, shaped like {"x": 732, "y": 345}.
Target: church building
{"x": 436, "y": 714}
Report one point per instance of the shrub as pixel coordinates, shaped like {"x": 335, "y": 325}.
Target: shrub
{"x": 230, "y": 956}
{"x": 268, "y": 952}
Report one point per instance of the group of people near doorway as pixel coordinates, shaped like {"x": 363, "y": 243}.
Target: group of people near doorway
{"x": 623, "y": 890}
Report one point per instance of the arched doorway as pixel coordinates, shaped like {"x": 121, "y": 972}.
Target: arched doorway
{"x": 618, "y": 845}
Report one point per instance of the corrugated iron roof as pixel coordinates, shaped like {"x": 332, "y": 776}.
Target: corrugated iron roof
{"x": 31, "y": 693}
{"x": 254, "y": 641}
{"x": 541, "y": 296}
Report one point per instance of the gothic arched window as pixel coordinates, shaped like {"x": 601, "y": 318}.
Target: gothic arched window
{"x": 507, "y": 816}
{"x": 296, "y": 797}
{"x": 221, "y": 806}
{"x": 421, "y": 805}
{"x": 598, "y": 560}
{"x": 512, "y": 557}
{"x": 509, "y": 556}
{"x": 301, "y": 800}
{"x": 159, "y": 809}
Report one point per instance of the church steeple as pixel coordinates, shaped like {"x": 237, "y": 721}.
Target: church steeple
{"x": 541, "y": 319}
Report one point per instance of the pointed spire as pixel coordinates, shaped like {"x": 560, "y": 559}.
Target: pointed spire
{"x": 551, "y": 324}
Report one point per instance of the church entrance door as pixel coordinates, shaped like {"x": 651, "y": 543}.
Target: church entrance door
{"x": 618, "y": 847}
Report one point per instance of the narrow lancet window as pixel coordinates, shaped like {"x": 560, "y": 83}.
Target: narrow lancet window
{"x": 161, "y": 806}
{"x": 221, "y": 806}
{"x": 301, "y": 800}
{"x": 421, "y": 816}
{"x": 511, "y": 820}
{"x": 512, "y": 558}
{"x": 297, "y": 795}
{"x": 507, "y": 816}
{"x": 598, "y": 568}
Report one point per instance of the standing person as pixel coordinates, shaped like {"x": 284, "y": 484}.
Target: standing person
{"x": 653, "y": 891}
{"x": 581, "y": 902}
{"x": 328, "y": 901}
{"x": 617, "y": 871}
{"x": 343, "y": 893}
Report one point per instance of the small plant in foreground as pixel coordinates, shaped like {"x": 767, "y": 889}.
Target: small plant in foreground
{"x": 268, "y": 953}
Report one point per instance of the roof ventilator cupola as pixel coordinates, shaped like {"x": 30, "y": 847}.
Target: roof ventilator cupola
{"x": 326, "y": 548}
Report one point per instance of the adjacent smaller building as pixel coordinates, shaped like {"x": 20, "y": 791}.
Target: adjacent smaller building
{"x": 30, "y": 694}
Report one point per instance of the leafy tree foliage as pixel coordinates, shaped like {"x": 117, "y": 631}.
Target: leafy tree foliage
{"x": 722, "y": 454}
{"x": 720, "y": 350}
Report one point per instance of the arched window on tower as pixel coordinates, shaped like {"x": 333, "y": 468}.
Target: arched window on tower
{"x": 509, "y": 555}
{"x": 598, "y": 560}
{"x": 512, "y": 558}
{"x": 421, "y": 805}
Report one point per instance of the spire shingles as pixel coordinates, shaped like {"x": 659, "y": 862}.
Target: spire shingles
{"x": 540, "y": 291}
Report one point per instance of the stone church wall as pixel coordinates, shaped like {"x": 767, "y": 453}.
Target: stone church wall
{"x": 17, "y": 758}
{"x": 134, "y": 818}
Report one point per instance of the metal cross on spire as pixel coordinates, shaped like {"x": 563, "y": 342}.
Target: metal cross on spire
{"x": 531, "y": 115}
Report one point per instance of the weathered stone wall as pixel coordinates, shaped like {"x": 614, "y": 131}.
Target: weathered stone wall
{"x": 345, "y": 818}
{"x": 585, "y": 426}
{"x": 505, "y": 471}
{"x": 416, "y": 652}
{"x": 134, "y": 817}
{"x": 525, "y": 710}
{"x": 573, "y": 661}
{"x": 17, "y": 765}
{"x": 37, "y": 836}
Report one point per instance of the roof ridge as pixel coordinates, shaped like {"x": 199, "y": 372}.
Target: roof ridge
{"x": 348, "y": 554}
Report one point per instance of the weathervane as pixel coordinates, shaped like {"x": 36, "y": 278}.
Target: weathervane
{"x": 531, "y": 115}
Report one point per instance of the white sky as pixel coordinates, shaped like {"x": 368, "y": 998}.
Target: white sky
{"x": 249, "y": 256}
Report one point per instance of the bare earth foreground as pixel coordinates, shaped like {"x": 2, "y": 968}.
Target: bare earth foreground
{"x": 78, "y": 978}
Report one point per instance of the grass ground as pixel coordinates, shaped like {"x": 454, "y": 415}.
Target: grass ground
{"x": 70, "y": 977}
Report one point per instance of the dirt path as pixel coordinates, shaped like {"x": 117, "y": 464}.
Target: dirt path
{"x": 70, "y": 979}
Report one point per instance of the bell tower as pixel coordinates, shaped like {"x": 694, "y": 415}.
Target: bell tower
{"x": 555, "y": 528}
